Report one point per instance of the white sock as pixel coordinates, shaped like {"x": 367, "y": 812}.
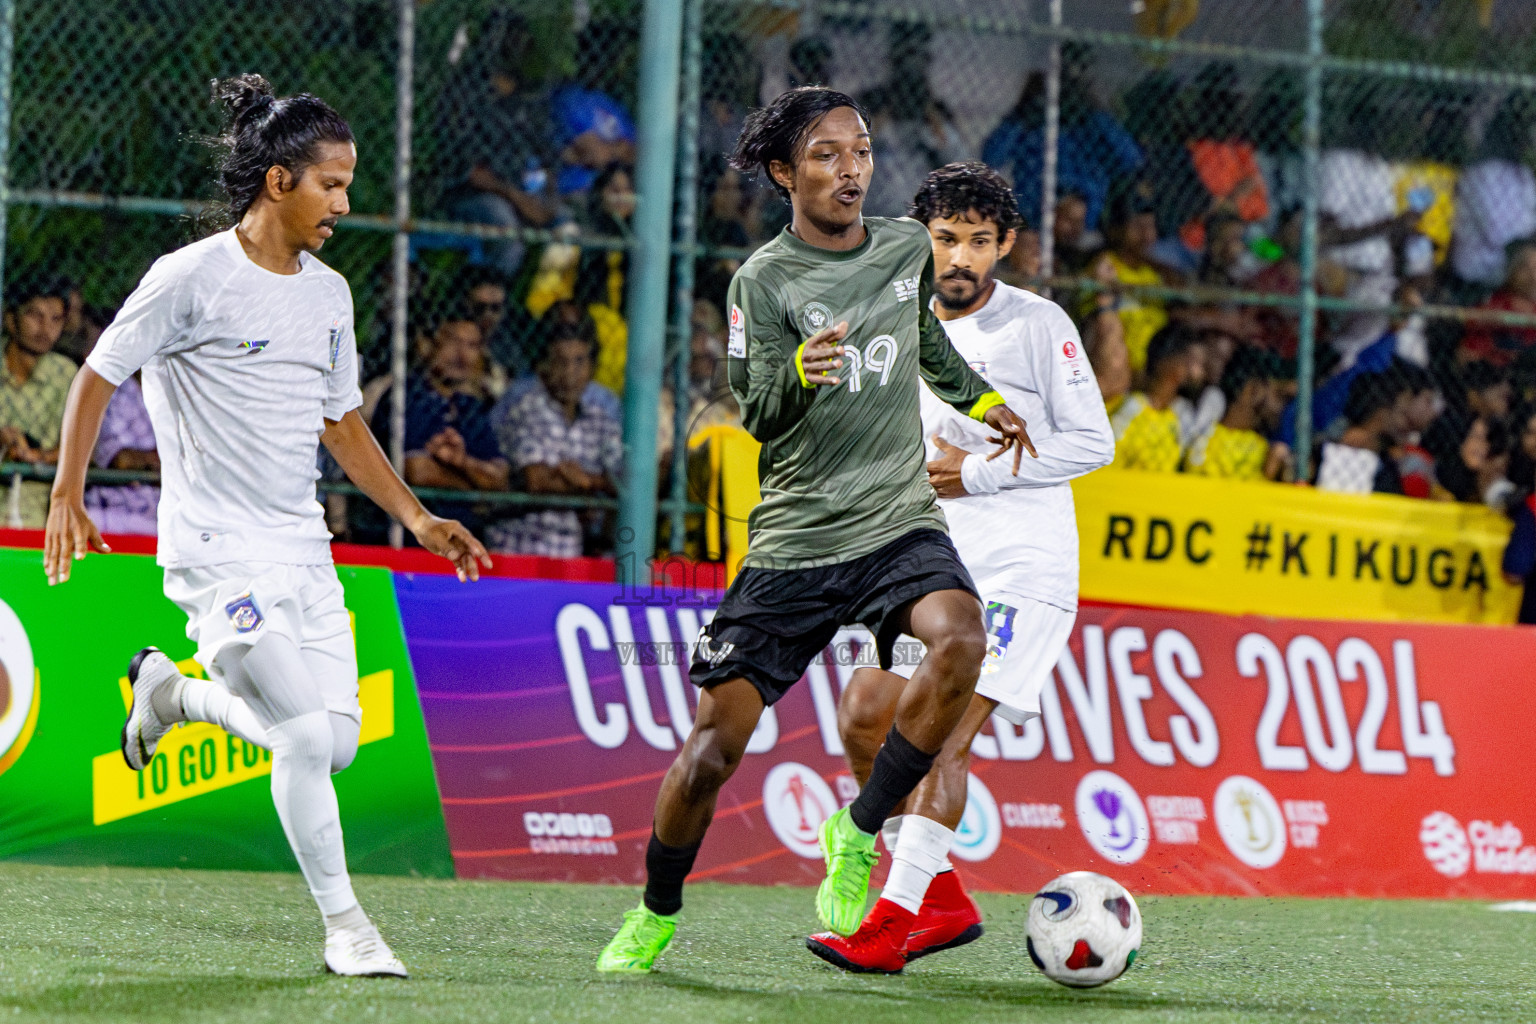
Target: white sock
{"x": 165, "y": 702}
{"x": 306, "y": 805}
{"x": 205, "y": 701}
{"x": 890, "y": 831}
{"x": 922, "y": 846}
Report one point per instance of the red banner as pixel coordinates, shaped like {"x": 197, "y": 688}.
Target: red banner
{"x": 1180, "y": 752}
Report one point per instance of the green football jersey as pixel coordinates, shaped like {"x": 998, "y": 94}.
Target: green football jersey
{"x": 842, "y": 468}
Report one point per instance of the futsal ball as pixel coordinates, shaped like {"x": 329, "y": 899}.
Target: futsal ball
{"x": 1084, "y": 930}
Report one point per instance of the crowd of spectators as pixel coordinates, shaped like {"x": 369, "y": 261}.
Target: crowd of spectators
{"x": 1173, "y": 192}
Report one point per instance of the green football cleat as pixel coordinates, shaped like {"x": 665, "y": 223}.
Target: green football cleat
{"x": 639, "y": 942}
{"x": 850, "y": 854}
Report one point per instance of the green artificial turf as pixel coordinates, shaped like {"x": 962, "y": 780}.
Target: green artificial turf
{"x": 149, "y": 946}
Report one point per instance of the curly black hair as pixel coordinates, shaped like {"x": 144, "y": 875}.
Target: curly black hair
{"x": 956, "y": 189}
{"x": 779, "y": 130}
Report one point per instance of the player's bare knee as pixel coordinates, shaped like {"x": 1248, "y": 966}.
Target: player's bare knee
{"x": 958, "y": 653}
{"x": 863, "y": 710}
{"x": 708, "y": 766}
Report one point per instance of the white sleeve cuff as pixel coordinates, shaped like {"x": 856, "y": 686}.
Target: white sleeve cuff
{"x": 974, "y": 476}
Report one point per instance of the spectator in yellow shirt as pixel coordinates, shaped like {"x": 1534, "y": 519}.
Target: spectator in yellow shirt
{"x": 1130, "y": 226}
{"x": 1237, "y": 447}
{"x": 1147, "y": 434}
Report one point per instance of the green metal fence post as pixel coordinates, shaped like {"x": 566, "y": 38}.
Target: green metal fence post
{"x": 7, "y": 51}
{"x": 687, "y": 235}
{"x": 646, "y": 312}
{"x": 1306, "y": 344}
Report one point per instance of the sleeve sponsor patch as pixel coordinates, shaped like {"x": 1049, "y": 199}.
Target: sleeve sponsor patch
{"x": 737, "y": 346}
{"x": 1074, "y": 365}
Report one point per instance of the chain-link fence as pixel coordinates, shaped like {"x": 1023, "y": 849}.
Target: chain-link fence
{"x": 1293, "y": 237}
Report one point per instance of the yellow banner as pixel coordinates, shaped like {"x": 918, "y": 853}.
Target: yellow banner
{"x": 200, "y": 758}
{"x": 1175, "y": 541}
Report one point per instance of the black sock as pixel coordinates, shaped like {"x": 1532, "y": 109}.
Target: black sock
{"x": 898, "y": 768}
{"x": 665, "y": 868}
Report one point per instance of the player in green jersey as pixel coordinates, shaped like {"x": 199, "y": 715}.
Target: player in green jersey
{"x": 829, "y": 331}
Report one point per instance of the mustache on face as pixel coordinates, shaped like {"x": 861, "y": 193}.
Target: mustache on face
{"x": 959, "y": 275}
{"x": 329, "y": 222}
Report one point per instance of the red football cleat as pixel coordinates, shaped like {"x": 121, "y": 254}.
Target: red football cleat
{"x": 876, "y": 948}
{"x": 949, "y": 918}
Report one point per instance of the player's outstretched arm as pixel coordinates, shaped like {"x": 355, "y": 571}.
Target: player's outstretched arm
{"x": 70, "y": 532}
{"x": 355, "y": 450}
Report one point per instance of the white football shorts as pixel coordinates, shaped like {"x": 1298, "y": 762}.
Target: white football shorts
{"x": 1025, "y": 639}
{"x": 240, "y": 602}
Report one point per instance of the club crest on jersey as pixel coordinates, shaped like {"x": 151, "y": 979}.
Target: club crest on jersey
{"x": 815, "y": 318}
{"x": 243, "y": 614}
{"x": 335, "y": 339}
{"x": 255, "y": 346}
{"x": 906, "y": 288}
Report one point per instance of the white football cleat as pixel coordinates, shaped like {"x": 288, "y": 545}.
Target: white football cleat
{"x": 147, "y": 672}
{"x": 361, "y": 953}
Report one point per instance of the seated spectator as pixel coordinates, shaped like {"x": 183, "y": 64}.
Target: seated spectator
{"x": 1520, "y": 555}
{"x": 1474, "y": 471}
{"x": 1226, "y": 262}
{"x": 1359, "y": 226}
{"x": 1094, "y": 150}
{"x": 906, "y": 146}
{"x": 1131, "y": 228}
{"x": 1421, "y": 405}
{"x": 593, "y": 129}
{"x": 1223, "y": 156}
{"x": 505, "y": 327}
{"x": 497, "y": 124}
{"x": 1433, "y": 151}
{"x": 561, "y": 442}
{"x": 1496, "y": 197}
{"x": 1104, "y": 341}
{"x": 1202, "y": 403}
{"x": 1237, "y": 448}
{"x": 127, "y": 441}
{"x": 1499, "y": 344}
{"x": 1485, "y": 391}
{"x": 1147, "y": 434}
{"x": 1073, "y": 244}
{"x": 34, "y": 382}
{"x": 561, "y": 316}
{"x": 449, "y": 441}
{"x": 1355, "y": 463}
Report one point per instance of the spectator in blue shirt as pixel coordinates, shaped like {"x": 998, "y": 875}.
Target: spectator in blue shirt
{"x": 1094, "y": 149}
{"x": 449, "y": 442}
{"x": 593, "y": 128}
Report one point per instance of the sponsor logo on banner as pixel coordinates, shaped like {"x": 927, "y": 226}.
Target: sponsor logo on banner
{"x": 1306, "y": 819}
{"x": 797, "y": 801}
{"x": 20, "y": 688}
{"x": 564, "y": 832}
{"x": 1249, "y": 821}
{"x": 1033, "y": 816}
{"x": 981, "y": 827}
{"x": 1445, "y": 844}
{"x": 1176, "y": 819}
{"x": 1111, "y": 815}
{"x": 1489, "y": 848}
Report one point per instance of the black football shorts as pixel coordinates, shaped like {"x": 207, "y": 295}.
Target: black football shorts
{"x": 772, "y": 622}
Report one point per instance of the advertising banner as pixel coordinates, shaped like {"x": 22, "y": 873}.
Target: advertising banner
{"x": 1180, "y": 752}
{"x": 66, "y": 797}
{"x": 1174, "y": 541}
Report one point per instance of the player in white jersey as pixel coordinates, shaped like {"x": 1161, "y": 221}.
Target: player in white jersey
{"x": 246, "y": 344}
{"x": 1016, "y": 532}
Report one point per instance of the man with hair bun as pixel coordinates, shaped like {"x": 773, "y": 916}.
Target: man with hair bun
{"x": 1015, "y": 532}
{"x": 829, "y": 331}
{"x": 246, "y": 344}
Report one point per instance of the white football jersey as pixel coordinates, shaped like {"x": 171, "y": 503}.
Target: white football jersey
{"x": 1018, "y": 534}
{"x": 242, "y": 367}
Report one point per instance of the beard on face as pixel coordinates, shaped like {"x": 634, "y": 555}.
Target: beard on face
{"x": 952, "y": 301}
